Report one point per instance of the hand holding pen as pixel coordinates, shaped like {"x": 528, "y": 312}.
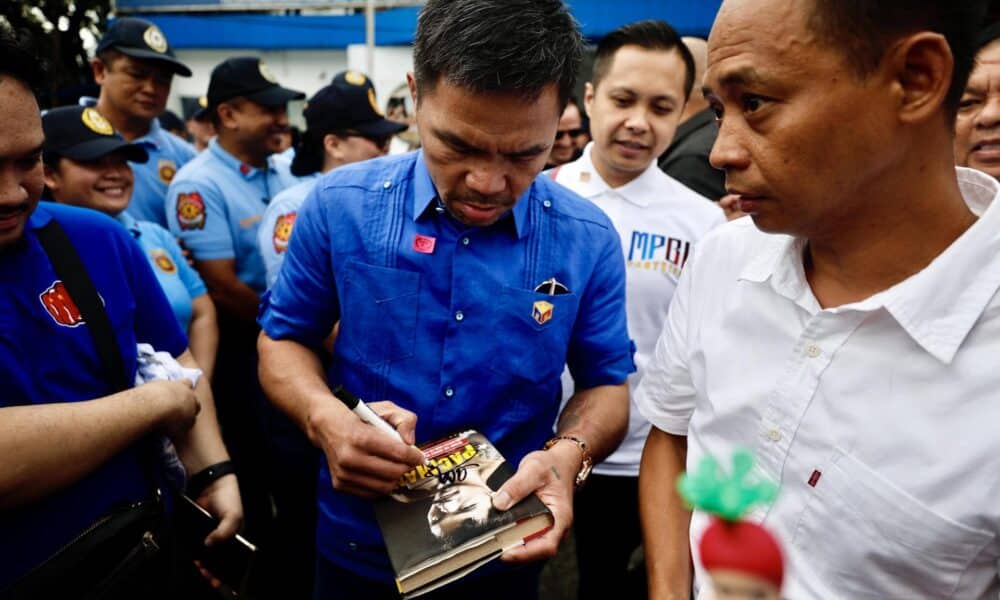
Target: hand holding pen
{"x": 367, "y": 415}
{"x": 364, "y": 460}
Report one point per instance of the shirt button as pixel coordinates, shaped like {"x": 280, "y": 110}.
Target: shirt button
{"x": 465, "y": 241}
{"x": 387, "y": 185}
{"x": 774, "y": 435}
{"x": 459, "y": 316}
{"x": 547, "y": 203}
{"x": 812, "y": 351}
{"x": 449, "y": 392}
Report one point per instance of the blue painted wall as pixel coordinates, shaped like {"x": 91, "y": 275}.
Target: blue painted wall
{"x": 393, "y": 27}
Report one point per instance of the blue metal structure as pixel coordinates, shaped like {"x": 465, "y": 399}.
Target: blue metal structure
{"x": 393, "y": 26}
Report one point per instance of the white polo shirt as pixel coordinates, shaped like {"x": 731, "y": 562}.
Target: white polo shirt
{"x": 659, "y": 220}
{"x": 878, "y": 419}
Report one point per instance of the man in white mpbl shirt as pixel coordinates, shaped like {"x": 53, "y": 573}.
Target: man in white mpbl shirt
{"x": 856, "y": 352}
{"x": 643, "y": 74}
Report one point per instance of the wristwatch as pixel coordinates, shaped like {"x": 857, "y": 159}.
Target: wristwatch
{"x": 588, "y": 460}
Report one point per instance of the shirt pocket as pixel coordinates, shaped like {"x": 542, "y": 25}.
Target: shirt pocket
{"x": 870, "y": 539}
{"x": 533, "y": 332}
{"x": 379, "y": 312}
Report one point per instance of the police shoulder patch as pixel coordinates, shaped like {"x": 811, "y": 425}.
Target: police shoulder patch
{"x": 190, "y": 211}
{"x": 163, "y": 261}
{"x": 283, "y": 232}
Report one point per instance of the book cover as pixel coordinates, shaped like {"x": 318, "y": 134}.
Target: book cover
{"x": 439, "y": 524}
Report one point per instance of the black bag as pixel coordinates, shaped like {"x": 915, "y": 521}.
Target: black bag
{"x": 125, "y": 548}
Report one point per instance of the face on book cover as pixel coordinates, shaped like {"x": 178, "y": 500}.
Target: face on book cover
{"x": 465, "y": 501}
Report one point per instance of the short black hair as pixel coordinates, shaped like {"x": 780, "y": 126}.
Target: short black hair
{"x": 19, "y": 59}
{"x": 650, "y": 35}
{"x": 864, "y": 29}
{"x": 498, "y": 46}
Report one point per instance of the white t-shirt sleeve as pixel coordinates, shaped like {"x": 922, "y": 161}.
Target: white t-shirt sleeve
{"x": 666, "y": 394}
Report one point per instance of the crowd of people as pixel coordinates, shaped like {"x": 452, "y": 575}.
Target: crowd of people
{"x": 757, "y": 241}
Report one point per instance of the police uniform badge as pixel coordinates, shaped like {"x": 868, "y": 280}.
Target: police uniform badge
{"x": 60, "y": 305}
{"x": 542, "y": 312}
{"x": 283, "y": 232}
{"x": 155, "y": 39}
{"x": 190, "y": 211}
{"x": 96, "y": 122}
{"x": 266, "y": 73}
{"x": 163, "y": 261}
{"x": 166, "y": 169}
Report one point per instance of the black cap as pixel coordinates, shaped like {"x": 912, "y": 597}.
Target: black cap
{"x": 349, "y": 104}
{"x": 141, "y": 39}
{"x": 250, "y": 78}
{"x": 195, "y": 108}
{"x": 83, "y": 134}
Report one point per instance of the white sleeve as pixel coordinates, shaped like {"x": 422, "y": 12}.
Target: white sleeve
{"x": 666, "y": 394}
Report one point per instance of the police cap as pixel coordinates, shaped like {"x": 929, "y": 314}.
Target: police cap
{"x": 82, "y": 134}
{"x": 139, "y": 38}
{"x": 250, "y": 78}
{"x": 349, "y": 104}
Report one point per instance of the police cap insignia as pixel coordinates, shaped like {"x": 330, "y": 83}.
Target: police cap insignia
{"x": 355, "y": 78}
{"x": 155, "y": 39}
{"x": 266, "y": 73}
{"x": 96, "y": 122}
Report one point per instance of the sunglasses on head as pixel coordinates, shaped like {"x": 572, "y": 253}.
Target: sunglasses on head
{"x": 569, "y": 132}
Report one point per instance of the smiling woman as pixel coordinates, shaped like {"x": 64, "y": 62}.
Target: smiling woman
{"x": 87, "y": 165}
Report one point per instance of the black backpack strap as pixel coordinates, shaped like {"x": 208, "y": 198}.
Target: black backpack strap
{"x": 69, "y": 267}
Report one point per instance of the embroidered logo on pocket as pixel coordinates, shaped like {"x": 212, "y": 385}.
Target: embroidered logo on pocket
{"x": 542, "y": 312}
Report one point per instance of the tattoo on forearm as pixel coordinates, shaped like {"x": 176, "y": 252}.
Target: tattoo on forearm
{"x": 556, "y": 473}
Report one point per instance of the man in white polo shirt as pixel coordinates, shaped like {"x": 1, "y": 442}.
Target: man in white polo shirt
{"x": 642, "y": 77}
{"x": 856, "y": 351}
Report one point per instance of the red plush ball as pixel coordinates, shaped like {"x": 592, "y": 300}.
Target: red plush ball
{"x": 744, "y": 547}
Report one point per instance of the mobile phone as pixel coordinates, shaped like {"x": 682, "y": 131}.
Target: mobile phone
{"x": 229, "y": 560}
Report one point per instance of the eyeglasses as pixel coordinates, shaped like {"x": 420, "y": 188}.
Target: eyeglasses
{"x": 570, "y": 132}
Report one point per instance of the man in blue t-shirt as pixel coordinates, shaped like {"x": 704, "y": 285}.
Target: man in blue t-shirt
{"x": 69, "y": 443}
{"x": 462, "y": 283}
{"x": 134, "y": 66}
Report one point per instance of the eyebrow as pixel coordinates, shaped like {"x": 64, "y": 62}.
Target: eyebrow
{"x": 741, "y": 77}
{"x": 461, "y": 145}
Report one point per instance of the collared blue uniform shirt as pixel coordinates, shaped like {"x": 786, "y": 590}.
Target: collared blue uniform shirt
{"x": 180, "y": 283}
{"x": 215, "y": 205}
{"x": 443, "y": 319}
{"x": 167, "y": 154}
{"x": 47, "y": 355}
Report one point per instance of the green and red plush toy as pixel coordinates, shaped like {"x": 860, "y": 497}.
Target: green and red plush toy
{"x": 743, "y": 560}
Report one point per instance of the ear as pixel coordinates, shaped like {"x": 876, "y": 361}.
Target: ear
{"x": 227, "y": 116}
{"x": 411, "y": 82}
{"x": 51, "y": 177}
{"x": 99, "y": 69}
{"x": 588, "y": 97}
{"x": 922, "y": 65}
{"x": 333, "y": 147}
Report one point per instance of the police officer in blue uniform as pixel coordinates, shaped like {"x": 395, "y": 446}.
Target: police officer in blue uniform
{"x": 343, "y": 125}
{"x": 215, "y": 204}
{"x": 87, "y": 165}
{"x": 462, "y": 282}
{"x": 134, "y": 66}
{"x": 69, "y": 444}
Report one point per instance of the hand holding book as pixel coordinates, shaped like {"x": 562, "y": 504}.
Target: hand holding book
{"x": 550, "y": 475}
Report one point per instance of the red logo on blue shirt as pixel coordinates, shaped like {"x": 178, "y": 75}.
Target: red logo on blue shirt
{"x": 60, "y": 306}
